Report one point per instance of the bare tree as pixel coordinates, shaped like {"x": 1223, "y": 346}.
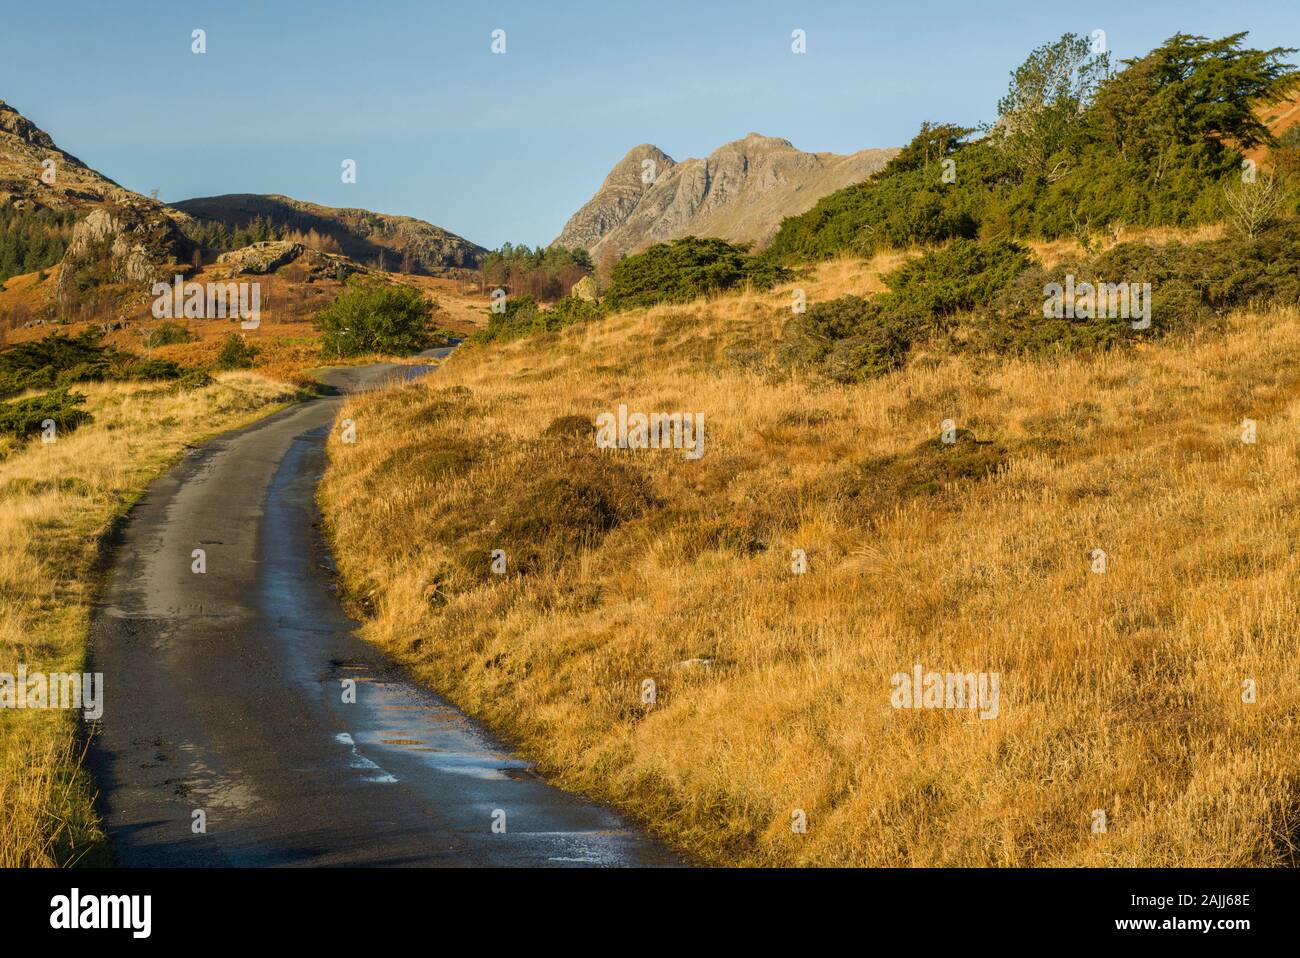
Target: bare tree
{"x": 1082, "y": 232}
{"x": 1252, "y": 206}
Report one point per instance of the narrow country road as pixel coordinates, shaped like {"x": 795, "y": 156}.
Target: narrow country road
{"x": 224, "y": 698}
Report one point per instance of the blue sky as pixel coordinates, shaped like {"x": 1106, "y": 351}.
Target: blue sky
{"x": 506, "y": 147}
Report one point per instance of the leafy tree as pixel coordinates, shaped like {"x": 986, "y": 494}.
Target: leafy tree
{"x": 368, "y": 317}
{"x": 1192, "y": 91}
{"x": 1075, "y": 152}
{"x": 545, "y": 273}
{"x": 935, "y": 142}
{"x": 1039, "y": 116}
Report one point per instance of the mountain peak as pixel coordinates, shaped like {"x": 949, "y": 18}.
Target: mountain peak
{"x": 25, "y": 150}
{"x": 15, "y": 124}
{"x": 739, "y": 192}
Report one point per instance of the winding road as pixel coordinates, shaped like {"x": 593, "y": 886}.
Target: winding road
{"x": 226, "y": 740}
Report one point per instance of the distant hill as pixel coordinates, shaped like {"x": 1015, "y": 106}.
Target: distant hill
{"x": 740, "y": 192}
{"x": 403, "y": 242}
{"x": 1279, "y": 118}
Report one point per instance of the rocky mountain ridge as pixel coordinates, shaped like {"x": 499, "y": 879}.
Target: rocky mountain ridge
{"x": 739, "y": 192}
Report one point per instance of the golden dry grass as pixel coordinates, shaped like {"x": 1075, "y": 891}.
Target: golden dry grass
{"x": 57, "y": 502}
{"x": 1120, "y": 691}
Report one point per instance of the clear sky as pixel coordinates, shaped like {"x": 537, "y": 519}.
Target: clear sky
{"x": 505, "y": 147}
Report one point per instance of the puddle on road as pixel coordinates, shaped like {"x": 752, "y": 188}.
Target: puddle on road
{"x": 395, "y": 717}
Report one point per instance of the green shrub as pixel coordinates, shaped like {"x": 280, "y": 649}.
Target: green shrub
{"x": 852, "y": 339}
{"x": 517, "y": 316}
{"x": 955, "y": 278}
{"x": 236, "y": 353}
{"x": 27, "y": 417}
{"x": 574, "y": 309}
{"x": 849, "y": 339}
{"x": 138, "y": 368}
{"x": 369, "y": 317}
{"x": 995, "y": 294}
{"x": 169, "y": 333}
{"x": 1193, "y": 285}
{"x": 191, "y": 380}
{"x": 523, "y": 316}
{"x": 63, "y": 360}
{"x": 685, "y": 269}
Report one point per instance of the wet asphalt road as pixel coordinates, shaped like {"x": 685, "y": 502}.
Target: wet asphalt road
{"x": 224, "y": 692}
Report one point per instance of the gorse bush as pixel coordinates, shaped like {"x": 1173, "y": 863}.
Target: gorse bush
{"x": 28, "y": 417}
{"x": 852, "y": 339}
{"x": 192, "y": 380}
{"x": 1074, "y": 152}
{"x": 369, "y": 317}
{"x": 954, "y": 278}
{"x": 1192, "y": 285}
{"x": 169, "y": 333}
{"x": 236, "y": 353}
{"x": 63, "y": 360}
{"x": 685, "y": 269}
{"x": 992, "y": 296}
{"x": 849, "y": 339}
{"x": 37, "y": 363}
{"x": 523, "y": 316}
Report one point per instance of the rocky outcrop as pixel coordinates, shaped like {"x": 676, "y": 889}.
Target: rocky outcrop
{"x": 741, "y": 192}
{"x": 135, "y": 243}
{"x": 268, "y": 257}
{"x": 120, "y": 236}
{"x": 261, "y": 257}
{"x": 15, "y": 124}
{"x": 584, "y": 289}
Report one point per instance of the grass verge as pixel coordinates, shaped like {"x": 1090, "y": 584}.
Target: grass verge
{"x": 58, "y": 502}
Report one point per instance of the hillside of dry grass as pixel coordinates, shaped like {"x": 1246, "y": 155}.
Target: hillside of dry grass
{"x": 287, "y": 338}
{"x": 1121, "y": 692}
{"x": 57, "y": 503}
